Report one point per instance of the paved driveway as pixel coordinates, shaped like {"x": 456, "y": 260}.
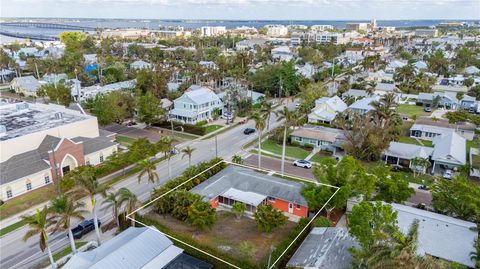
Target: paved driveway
{"x": 275, "y": 165}
{"x": 133, "y": 132}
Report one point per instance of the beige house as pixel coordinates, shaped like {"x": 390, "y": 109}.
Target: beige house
{"x": 40, "y": 143}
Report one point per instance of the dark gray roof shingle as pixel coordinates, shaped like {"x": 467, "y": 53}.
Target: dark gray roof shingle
{"x": 22, "y": 165}
{"x": 91, "y": 145}
{"x": 245, "y": 179}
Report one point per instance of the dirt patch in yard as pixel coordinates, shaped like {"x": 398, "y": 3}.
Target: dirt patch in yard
{"x": 228, "y": 233}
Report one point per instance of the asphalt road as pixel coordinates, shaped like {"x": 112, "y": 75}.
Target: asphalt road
{"x": 15, "y": 253}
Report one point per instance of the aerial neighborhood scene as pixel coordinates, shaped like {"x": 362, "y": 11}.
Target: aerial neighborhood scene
{"x": 247, "y": 134}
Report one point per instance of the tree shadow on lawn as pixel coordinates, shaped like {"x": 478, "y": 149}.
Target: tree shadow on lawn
{"x": 229, "y": 232}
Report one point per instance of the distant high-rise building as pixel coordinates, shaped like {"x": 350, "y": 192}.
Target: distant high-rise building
{"x": 213, "y": 30}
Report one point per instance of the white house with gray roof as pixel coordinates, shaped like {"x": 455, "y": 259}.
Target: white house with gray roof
{"x": 196, "y": 104}
{"x": 363, "y": 105}
{"x": 136, "y": 248}
{"x": 27, "y": 85}
{"x": 326, "y": 109}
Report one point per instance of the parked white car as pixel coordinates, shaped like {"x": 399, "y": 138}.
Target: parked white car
{"x": 448, "y": 174}
{"x": 302, "y": 163}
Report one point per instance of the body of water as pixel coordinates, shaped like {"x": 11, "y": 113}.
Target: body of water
{"x": 195, "y": 24}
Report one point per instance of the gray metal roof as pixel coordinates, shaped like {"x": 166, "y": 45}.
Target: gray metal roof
{"x": 325, "y": 248}
{"x": 408, "y": 151}
{"x": 450, "y": 148}
{"x": 439, "y": 235}
{"x": 22, "y": 165}
{"x": 133, "y": 248}
{"x": 95, "y": 144}
{"x": 247, "y": 180}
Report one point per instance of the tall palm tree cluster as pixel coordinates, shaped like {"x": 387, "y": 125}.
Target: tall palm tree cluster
{"x": 69, "y": 206}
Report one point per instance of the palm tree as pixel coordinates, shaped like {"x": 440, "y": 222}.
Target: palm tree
{"x": 148, "y": 168}
{"x": 87, "y": 185}
{"x": 63, "y": 209}
{"x": 267, "y": 109}
{"x": 38, "y": 224}
{"x": 290, "y": 118}
{"x": 165, "y": 146}
{"x": 130, "y": 200}
{"x": 111, "y": 200}
{"x": 188, "y": 152}
{"x": 260, "y": 126}
{"x": 424, "y": 163}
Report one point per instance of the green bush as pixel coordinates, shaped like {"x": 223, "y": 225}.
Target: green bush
{"x": 201, "y": 123}
{"x": 295, "y": 144}
{"x": 165, "y": 205}
{"x": 189, "y": 128}
{"x": 308, "y": 146}
{"x": 322, "y": 221}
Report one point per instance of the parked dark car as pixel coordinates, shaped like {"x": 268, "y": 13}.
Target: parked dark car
{"x": 423, "y": 187}
{"x": 83, "y": 228}
{"x": 248, "y": 131}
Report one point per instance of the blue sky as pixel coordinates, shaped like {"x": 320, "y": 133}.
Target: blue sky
{"x": 244, "y": 9}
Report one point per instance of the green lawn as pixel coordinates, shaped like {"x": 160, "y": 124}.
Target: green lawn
{"x": 125, "y": 140}
{"x": 293, "y": 152}
{"x": 472, "y": 144}
{"x": 68, "y": 250}
{"x": 212, "y": 128}
{"x": 26, "y": 201}
{"x": 409, "y": 140}
{"x": 11, "y": 228}
{"x": 411, "y": 110}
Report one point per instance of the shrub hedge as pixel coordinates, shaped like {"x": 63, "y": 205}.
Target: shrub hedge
{"x": 189, "y": 128}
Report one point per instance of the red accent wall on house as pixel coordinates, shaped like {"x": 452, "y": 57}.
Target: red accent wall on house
{"x": 282, "y": 205}
{"x": 66, "y": 147}
{"x": 214, "y": 202}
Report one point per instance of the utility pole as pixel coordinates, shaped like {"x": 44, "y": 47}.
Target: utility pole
{"x": 269, "y": 257}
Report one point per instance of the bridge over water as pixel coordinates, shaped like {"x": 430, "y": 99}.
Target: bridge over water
{"x": 46, "y": 26}
{"x": 4, "y": 29}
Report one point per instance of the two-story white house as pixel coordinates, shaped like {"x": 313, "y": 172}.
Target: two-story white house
{"x": 196, "y": 104}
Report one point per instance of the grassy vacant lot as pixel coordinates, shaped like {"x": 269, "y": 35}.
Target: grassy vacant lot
{"x": 212, "y": 128}
{"x": 228, "y": 233}
{"x": 411, "y": 110}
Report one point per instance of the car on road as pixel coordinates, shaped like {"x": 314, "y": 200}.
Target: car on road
{"x": 302, "y": 163}
{"x": 83, "y": 228}
{"x": 248, "y": 131}
{"x": 448, "y": 174}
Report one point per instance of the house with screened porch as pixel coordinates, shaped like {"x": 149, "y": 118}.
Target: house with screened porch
{"x": 237, "y": 184}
